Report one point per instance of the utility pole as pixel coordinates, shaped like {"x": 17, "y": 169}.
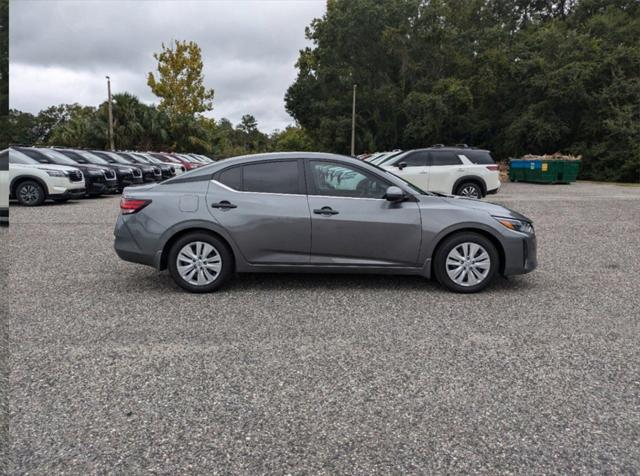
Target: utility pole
{"x": 353, "y": 123}
{"x": 110, "y": 114}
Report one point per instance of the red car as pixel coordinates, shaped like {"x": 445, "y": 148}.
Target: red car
{"x": 174, "y": 159}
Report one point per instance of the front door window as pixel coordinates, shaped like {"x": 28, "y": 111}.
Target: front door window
{"x": 339, "y": 180}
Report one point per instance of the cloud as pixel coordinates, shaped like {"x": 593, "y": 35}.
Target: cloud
{"x": 61, "y": 50}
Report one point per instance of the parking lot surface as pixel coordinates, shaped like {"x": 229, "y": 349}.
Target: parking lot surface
{"x": 114, "y": 369}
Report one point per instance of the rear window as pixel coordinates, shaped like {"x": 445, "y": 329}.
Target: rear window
{"x": 444, "y": 157}
{"x": 480, "y": 157}
{"x": 232, "y": 178}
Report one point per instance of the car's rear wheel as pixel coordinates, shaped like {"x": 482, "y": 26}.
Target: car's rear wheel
{"x": 30, "y": 193}
{"x": 469, "y": 190}
{"x": 200, "y": 262}
{"x": 466, "y": 262}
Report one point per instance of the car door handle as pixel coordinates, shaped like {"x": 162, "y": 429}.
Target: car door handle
{"x": 325, "y": 211}
{"x": 223, "y": 204}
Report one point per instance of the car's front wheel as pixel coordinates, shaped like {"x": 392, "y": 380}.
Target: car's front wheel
{"x": 469, "y": 190}
{"x": 30, "y": 193}
{"x": 200, "y": 262}
{"x": 466, "y": 262}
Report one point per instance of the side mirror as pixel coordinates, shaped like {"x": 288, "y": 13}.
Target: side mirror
{"x": 401, "y": 165}
{"x": 394, "y": 194}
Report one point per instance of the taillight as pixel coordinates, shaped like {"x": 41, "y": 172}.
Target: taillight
{"x": 132, "y": 205}
{"x": 493, "y": 167}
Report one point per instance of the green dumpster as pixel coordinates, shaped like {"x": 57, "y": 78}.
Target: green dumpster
{"x": 543, "y": 171}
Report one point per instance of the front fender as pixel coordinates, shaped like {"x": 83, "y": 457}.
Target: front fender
{"x": 431, "y": 242}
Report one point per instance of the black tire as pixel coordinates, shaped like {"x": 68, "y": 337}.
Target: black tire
{"x": 30, "y": 193}
{"x": 443, "y": 250}
{"x": 469, "y": 190}
{"x": 226, "y": 256}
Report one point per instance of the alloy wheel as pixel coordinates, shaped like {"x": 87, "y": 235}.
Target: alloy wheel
{"x": 199, "y": 263}
{"x": 29, "y": 194}
{"x": 470, "y": 191}
{"x": 468, "y": 264}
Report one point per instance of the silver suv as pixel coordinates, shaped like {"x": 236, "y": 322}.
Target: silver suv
{"x": 301, "y": 212}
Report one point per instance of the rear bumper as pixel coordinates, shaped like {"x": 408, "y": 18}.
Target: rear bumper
{"x": 126, "y": 246}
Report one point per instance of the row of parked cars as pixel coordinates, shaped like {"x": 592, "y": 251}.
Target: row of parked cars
{"x": 452, "y": 170}
{"x": 38, "y": 174}
{"x": 4, "y": 186}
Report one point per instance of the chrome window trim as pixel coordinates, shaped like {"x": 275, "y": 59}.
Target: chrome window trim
{"x": 260, "y": 193}
{"x": 292, "y": 194}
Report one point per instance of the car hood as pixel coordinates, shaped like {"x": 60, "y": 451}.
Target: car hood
{"x": 67, "y": 168}
{"x": 491, "y": 208}
{"x": 92, "y": 167}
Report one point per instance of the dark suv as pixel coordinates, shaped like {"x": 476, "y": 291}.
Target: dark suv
{"x": 126, "y": 174}
{"x": 150, "y": 173}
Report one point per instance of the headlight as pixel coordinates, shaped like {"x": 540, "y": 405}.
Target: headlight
{"x": 56, "y": 173}
{"x": 516, "y": 225}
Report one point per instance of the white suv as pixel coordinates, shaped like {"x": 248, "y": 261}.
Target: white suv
{"x": 31, "y": 182}
{"x": 452, "y": 170}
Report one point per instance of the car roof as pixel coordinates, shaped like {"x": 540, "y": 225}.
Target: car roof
{"x": 266, "y": 157}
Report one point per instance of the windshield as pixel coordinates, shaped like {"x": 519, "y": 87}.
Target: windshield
{"x": 57, "y": 157}
{"x": 94, "y": 159}
{"x": 119, "y": 159}
{"x": 123, "y": 158}
{"x": 141, "y": 158}
{"x": 387, "y": 158}
{"x": 164, "y": 158}
{"x": 150, "y": 159}
{"x": 17, "y": 157}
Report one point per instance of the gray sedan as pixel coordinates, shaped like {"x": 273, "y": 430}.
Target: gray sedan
{"x": 315, "y": 212}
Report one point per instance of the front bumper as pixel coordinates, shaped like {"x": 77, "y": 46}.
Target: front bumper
{"x": 102, "y": 187}
{"x": 69, "y": 193}
{"x": 520, "y": 255}
{"x": 128, "y": 179}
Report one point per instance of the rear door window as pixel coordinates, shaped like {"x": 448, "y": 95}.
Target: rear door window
{"x": 444, "y": 157}
{"x": 272, "y": 177}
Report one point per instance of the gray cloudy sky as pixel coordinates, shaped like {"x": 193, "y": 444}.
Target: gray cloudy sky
{"x": 62, "y": 49}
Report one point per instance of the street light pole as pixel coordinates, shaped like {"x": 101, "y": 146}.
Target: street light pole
{"x": 353, "y": 123}
{"x": 110, "y": 114}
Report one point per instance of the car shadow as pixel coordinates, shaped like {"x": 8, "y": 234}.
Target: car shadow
{"x": 162, "y": 282}
{"x": 51, "y": 203}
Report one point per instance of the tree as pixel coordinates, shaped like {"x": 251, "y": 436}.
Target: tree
{"x": 252, "y": 139}
{"x": 180, "y": 82}
{"x": 527, "y": 76}
{"x": 293, "y": 138}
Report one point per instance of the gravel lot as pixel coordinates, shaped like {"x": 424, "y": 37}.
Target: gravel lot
{"x": 114, "y": 369}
